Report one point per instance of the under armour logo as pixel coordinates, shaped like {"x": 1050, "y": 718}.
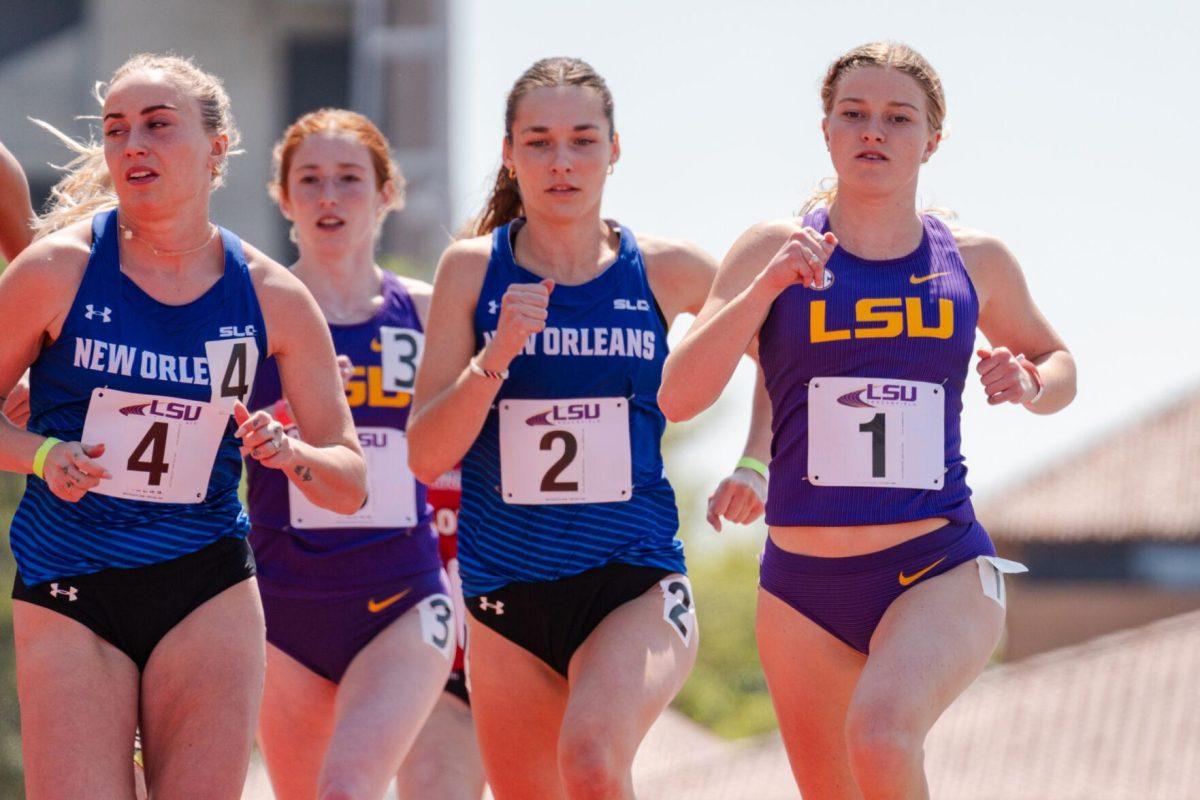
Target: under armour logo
{"x": 497, "y": 606}
{"x": 105, "y": 315}
{"x": 70, "y": 592}
{"x": 493, "y": 306}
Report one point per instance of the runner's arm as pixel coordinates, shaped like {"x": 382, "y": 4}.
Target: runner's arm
{"x": 451, "y": 403}
{"x": 326, "y": 463}
{"x": 16, "y": 207}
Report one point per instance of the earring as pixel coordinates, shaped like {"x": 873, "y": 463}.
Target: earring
{"x": 512, "y": 173}
{"x": 611, "y": 167}
{"x": 292, "y": 236}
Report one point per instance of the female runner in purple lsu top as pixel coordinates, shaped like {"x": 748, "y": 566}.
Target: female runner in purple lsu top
{"x": 381, "y": 572}
{"x": 360, "y": 627}
{"x": 881, "y": 597}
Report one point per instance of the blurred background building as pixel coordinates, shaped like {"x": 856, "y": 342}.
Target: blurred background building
{"x": 386, "y": 58}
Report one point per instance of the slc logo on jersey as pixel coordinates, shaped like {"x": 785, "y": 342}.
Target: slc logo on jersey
{"x": 883, "y": 318}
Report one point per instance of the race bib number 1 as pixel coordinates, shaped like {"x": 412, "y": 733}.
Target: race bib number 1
{"x": 876, "y": 432}
{"x": 391, "y": 488}
{"x": 565, "y": 451}
{"x": 159, "y": 449}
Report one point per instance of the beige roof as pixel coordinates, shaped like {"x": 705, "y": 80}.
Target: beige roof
{"x": 1136, "y": 482}
{"x": 1115, "y": 718}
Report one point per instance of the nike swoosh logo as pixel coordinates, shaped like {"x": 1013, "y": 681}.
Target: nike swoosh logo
{"x": 909, "y": 580}
{"x": 375, "y": 608}
{"x": 913, "y": 279}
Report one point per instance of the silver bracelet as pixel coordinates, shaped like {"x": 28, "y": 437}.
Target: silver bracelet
{"x": 487, "y": 373}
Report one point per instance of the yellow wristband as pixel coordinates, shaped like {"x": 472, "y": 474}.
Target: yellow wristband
{"x": 39, "y": 458}
{"x": 754, "y": 464}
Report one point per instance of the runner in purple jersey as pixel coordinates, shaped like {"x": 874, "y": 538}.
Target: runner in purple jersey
{"x": 881, "y": 596}
{"x": 360, "y": 627}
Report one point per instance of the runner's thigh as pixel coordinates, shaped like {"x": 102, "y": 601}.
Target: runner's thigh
{"x": 631, "y": 667}
{"x": 518, "y": 703}
{"x": 811, "y": 677}
{"x": 79, "y": 699}
{"x": 382, "y": 703}
{"x": 201, "y": 691}
{"x": 444, "y": 762}
{"x": 932, "y": 642}
{"x": 295, "y": 725}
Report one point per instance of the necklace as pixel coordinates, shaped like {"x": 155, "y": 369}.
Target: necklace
{"x": 127, "y": 234}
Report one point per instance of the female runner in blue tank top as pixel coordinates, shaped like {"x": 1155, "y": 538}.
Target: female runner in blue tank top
{"x": 546, "y": 340}
{"x": 360, "y": 628}
{"x": 144, "y": 324}
{"x": 881, "y": 597}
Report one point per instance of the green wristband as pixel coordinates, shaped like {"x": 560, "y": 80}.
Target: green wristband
{"x": 39, "y": 458}
{"x": 754, "y": 464}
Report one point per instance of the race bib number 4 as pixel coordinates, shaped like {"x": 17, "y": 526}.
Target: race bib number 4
{"x": 391, "y": 488}
{"x": 232, "y": 364}
{"x": 565, "y": 451}
{"x": 876, "y": 432}
{"x": 159, "y": 449}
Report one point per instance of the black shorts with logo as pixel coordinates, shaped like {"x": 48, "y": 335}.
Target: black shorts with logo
{"x": 133, "y": 609}
{"x": 551, "y": 619}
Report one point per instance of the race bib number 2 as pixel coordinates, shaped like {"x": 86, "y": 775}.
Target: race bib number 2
{"x": 876, "y": 432}
{"x": 159, "y": 449}
{"x": 565, "y": 451}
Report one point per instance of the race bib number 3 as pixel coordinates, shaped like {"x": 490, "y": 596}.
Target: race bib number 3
{"x": 876, "y": 432}
{"x": 159, "y": 449}
{"x": 565, "y": 451}
{"x": 391, "y": 488}
{"x": 401, "y": 353}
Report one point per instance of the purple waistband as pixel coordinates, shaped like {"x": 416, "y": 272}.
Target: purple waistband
{"x": 931, "y": 542}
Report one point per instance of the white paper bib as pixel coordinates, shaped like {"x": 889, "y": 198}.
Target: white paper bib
{"x": 401, "y": 354}
{"x": 565, "y": 451}
{"x": 876, "y": 432}
{"x": 159, "y": 449}
{"x": 391, "y": 488}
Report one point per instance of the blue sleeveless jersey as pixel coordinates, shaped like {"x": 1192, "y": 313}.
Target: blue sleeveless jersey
{"x": 320, "y": 560}
{"x": 910, "y": 318}
{"x": 604, "y": 338}
{"x": 117, "y": 336}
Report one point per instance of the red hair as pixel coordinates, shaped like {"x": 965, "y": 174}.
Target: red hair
{"x": 336, "y": 122}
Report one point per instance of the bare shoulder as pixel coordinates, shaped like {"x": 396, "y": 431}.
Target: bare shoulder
{"x": 272, "y": 281}
{"x": 56, "y": 260}
{"x": 980, "y": 249}
{"x": 985, "y": 256}
{"x": 463, "y": 265}
{"x": 661, "y": 253}
{"x": 10, "y": 168}
{"x": 421, "y": 293}
{"x": 465, "y": 255}
{"x": 416, "y": 287}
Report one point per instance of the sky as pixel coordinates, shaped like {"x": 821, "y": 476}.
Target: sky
{"x": 1071, "y": 136}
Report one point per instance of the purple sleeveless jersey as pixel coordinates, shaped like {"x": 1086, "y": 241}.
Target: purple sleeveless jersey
{"x": 911, "y": 318}
{"x": 322, "y": 560}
